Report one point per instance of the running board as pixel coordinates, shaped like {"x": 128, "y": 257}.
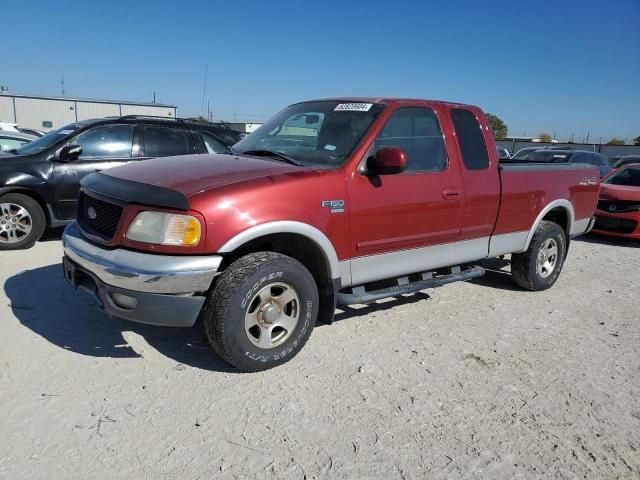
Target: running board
{"x": 359, "y": 294}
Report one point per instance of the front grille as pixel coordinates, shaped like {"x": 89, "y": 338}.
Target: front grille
{"x": 98, "y": 216}
{"x": 617, "y": 225}
{"x": 619, "y": 205}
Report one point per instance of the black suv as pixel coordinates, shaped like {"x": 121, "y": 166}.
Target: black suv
{"x": 39, "y": 184}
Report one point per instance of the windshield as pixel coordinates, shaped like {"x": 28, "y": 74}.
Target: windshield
{"x": 543, "y": 156}
{"x": 317, "y": 133}
{"x": 625, "y": 160}
{"x": 46, "y": 141}
{"x": 523, "y": 154}
{"x": 628, "y": 176}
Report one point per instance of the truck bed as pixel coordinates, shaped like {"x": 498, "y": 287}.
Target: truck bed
{"x": 527, "y": 196}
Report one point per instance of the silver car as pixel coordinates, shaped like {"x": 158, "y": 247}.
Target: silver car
{"x": 13, "y": 140}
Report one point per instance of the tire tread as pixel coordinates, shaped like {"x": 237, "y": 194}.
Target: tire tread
{"x": 218, "y": 303}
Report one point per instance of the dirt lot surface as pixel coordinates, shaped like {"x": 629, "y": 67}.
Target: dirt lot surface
{"x": 472, "y": 380}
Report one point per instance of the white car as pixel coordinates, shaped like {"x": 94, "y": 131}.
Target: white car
{"x": 9, "y": 127}
{"x": 14, "y": 140}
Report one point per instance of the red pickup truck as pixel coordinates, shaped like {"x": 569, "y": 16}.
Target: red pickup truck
{"x": 336, "y": 201}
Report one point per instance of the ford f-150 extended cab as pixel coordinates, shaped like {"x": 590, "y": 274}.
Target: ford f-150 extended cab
{"x": 338, "y": 201}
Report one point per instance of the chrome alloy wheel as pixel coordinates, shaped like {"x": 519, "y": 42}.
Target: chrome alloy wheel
{"x": 547, "y": 258}
{"x": 272, "y": 315}
{"x": 15, "y": 223}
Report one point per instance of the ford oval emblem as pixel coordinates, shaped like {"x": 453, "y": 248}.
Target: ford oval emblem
{"x": 91, "y": 212}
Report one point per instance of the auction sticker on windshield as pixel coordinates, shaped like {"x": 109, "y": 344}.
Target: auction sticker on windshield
{"x": 353, "y": 107}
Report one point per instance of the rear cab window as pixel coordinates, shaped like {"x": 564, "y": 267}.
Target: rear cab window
{"x": 213, "y": 144}
{"x": 160, "y": 141}
{"x": 470, "y": 139}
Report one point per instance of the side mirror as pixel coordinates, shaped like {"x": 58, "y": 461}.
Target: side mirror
{"x": 68, "y": 153}
{"x": 387, "y": 161}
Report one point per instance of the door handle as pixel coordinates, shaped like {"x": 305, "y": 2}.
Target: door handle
{"x": 97, "y": 169}
{"x": 450, "y": 193}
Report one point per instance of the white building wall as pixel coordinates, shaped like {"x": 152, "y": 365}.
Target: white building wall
{"x": 247, "y": 127}
{"x": 6, "y": 109}
{"x": 31, "y": 112}
{"x": 88, "y": 110}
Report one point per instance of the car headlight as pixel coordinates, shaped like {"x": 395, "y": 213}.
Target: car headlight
{"x": 165, "y": 229}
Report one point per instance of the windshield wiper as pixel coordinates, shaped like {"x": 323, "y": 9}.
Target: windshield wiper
{"x": 271, "y": 153}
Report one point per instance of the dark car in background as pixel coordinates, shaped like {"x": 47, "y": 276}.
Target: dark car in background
{"x": 626, "y": 160}
{"x": 557, "y": 155}
{"x": 503, "y": 152}
{"x": 39, "y": 184}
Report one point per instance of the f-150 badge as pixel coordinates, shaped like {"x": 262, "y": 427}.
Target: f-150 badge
{"x": 335, "y": 206}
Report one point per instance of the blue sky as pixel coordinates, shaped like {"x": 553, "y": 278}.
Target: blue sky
{"x": 562, "y": 66}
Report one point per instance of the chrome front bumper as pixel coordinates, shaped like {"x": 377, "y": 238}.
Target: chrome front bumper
{"x": 142, "y": 272}
{"x": 141, "y": 287}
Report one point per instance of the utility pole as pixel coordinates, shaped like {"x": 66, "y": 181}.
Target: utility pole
{"x": 587, "y": 140}
{"x": 154, "y": 97}
{"x": 204, "y": 89}
{"x": 62, "y": 84}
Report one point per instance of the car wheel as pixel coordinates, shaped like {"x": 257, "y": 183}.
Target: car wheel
{"x": 539, "y": 267}
{"x": 261, "y": 311}
{"x": 22, "y": 221}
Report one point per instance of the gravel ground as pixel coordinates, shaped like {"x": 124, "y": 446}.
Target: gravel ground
{"x": 472, "y": 380}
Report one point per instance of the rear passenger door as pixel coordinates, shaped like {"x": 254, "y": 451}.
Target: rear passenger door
{"x": 480, "y": 173}
{"x": 161, "y": 141}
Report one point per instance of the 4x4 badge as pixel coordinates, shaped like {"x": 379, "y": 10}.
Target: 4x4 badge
{"x": 335, "y": 206}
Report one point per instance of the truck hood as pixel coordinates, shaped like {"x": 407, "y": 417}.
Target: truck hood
{"x": 619, "y": 192}
{"x": 193, "y": 174}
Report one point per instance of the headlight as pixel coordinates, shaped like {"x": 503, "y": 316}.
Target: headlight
{"x": 165, "y": 229}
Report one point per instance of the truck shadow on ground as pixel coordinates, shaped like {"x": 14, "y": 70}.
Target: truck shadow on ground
{"x": 596, "y": 238}
{"x": 496, "y": 276}
{"x": 43, "y": 302}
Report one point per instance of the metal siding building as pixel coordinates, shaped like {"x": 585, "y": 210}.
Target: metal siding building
{"x": 50, "y": 113}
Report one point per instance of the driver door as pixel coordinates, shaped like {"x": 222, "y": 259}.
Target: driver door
{"x": 102, "y": 147}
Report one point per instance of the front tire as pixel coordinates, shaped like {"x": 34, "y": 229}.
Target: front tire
{"x": 261, "y": 311}
{"x": 539, "y": 267}
{"x": 22, "y": 221}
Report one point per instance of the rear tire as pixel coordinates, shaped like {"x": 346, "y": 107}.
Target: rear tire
{"x": 539, "y": 267}
{"x": 261, "y": 311}
{"x": 22, "y": 221}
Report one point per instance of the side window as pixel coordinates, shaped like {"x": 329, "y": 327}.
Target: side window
{"x": 106, "y": 142}
{"x": 601, "y": 160}
{"x": 7, "y": 144}
{"x": 418, "y": 133}
{"x": 166, "y": 142}
{"x": 212, "y": 144}
{"x": 470, "y": 138}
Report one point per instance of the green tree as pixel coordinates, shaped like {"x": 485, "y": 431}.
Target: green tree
{"x": 498, "y": 127}
{"x": 615, "y": 141}
{"x": 636, "y": 141}
{"x": 545, "y": 137}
